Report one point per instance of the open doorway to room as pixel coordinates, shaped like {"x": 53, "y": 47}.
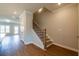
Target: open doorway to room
{"x": 9, "y": 35}
{"x": 8, "y": 29}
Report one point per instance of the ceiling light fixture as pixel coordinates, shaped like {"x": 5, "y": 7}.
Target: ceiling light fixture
{"x": 40, "y": 10}
{"x": 59, "y": 3}
{"x": 15, "y": 12}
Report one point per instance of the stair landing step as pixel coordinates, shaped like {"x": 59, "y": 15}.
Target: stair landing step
{"x": 48, "y": 40}
{"x": 49, "y": 45}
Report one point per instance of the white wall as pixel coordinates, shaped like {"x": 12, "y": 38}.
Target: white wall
{"x": 26, "y": 21}
{"x": 36, "y": 40}
{"x": 61, "y": 25}
{"x": 22, "y": 19}
{"x": 29, "y": 34}
{"x": 28, "y": 27}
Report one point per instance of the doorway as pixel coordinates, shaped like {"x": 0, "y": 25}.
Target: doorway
{"x": 8, "y": 29}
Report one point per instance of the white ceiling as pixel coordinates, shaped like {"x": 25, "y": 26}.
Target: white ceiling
{"x": 7, "y": 9}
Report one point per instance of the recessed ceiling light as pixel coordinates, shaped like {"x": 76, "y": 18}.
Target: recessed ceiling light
{"x": 14, "y": 12}
{"x": 59, "y": 3}
{"x": 40, "y": 10}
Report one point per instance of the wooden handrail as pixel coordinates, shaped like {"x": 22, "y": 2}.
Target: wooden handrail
{"x": 45, "y": 38}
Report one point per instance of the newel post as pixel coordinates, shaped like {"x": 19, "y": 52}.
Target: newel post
{"x": 45, "y": 38}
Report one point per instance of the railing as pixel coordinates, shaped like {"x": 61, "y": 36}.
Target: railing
{"x": 44, "y": 38}
{"x": 41, "y": 33}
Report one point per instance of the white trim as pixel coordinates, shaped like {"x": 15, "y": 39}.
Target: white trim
{"x": 38, "y": 46}
{"x": 26, "y": 43}
{"x": 37, "y": 41}
{"x": 66, "y": 47}
{"x": 49, "y": 45}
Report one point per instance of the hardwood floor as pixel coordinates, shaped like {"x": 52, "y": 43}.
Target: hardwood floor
{"x": 32, "y": 50}
{"x": 59, "y": 51}
{"x": 17, "y": 48}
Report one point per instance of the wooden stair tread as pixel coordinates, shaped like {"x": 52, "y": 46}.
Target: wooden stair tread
{"x": 47, "y": 42}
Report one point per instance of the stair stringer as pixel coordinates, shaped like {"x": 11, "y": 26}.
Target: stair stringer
{"x": 36, "y": 40}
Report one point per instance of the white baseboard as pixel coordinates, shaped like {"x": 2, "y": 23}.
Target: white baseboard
{"x": 66, "y": 47}
{"x": 69, "y": 48}
{"x": 26, "y": 43}
{"x": 38, "y": 46}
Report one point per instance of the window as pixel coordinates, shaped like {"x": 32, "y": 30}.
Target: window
{"x": 16, "y": 30}
{"x": 22, "y": 28}
{"x": 2, "y": 29}
{"x": 7, "y": 29}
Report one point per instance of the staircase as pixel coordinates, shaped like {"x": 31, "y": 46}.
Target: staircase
{"x": 42, "y": 35}
{"x": 48, "y": 42}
